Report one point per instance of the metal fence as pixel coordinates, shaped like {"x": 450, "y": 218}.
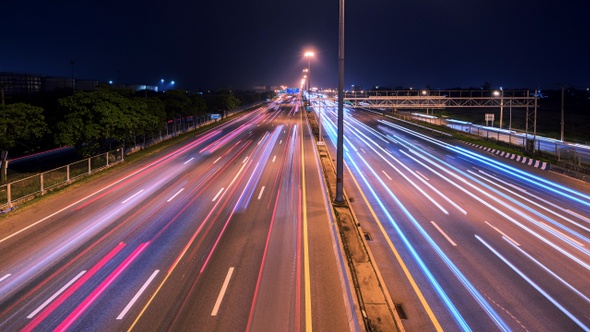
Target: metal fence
{"x": 571, "y": 153}
{"x": 40, "y": 183}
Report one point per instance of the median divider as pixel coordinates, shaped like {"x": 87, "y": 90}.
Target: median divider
{"x": 373, "y": 304}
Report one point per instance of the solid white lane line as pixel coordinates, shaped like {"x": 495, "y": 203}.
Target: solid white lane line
{"x": 216, "y": 160}
{"x": 222, "y": 292}
{"x": 259, "y": 195}
{"x": 219, "y": 193}
{"x": 186, "y": 162}
{"x": 5, "y": 277}
{"x": 444, "y": 234}
{"x": 61, "y": 290}
{"x": 137, "y": 295}
{"x": 178, "y": 192}
{"x": 389, "y": 177}
{"x": 273, "y": 158}
{"x": 128, "y": 199}
{"x": 503, "y": 234}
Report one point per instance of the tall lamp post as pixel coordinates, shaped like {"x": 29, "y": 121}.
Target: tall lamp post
{"x": 501, "y": 95}
{"x": 309, "y": 55}
{"x": 73, "y": 82}
{"x": 501, "y": 105}
{"x": 340, "y": 141}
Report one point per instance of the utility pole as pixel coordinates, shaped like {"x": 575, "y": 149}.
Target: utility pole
{"x": 563, "y": 87}
{"x": 73, "y": 82}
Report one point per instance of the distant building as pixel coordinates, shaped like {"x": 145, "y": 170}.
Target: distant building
{"x": 261, "y": 88}
{"x": 20, "y": 83}
{"x": 136, "y": 87}
{"x": 24, "y": 83}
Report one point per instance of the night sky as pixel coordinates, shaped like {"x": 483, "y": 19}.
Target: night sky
{"x": 239, "y": 44}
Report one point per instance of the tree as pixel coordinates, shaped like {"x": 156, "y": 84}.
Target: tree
{"x": 95, "y": 120}
{"x": 18, "y": 122}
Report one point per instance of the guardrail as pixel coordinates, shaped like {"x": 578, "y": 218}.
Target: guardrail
{"x": 39, "y": 184}
{"x": 571, "y": 153}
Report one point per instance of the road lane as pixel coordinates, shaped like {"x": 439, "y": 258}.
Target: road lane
{"x": 435, "y": 204}
{"x": 152, "y": 248}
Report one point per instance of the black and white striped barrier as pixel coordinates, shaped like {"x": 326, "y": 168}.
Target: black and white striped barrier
{"x": 524, "y": 160}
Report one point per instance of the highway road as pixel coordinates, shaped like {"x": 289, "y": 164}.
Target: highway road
{"x": 464, "y": 240}
{"x": 228, "y": 231}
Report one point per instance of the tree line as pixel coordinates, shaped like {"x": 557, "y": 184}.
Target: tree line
{"x": 108, "y": 118}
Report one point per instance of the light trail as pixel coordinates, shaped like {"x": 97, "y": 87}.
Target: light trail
{"x": 507, "y": 217}
{"x": 65, "y": 295}
{"x": 439, "y": 290}
{"x": 68, "y": 321}
{"x": 452, "y": 267}
{"x": 534, "y": 285}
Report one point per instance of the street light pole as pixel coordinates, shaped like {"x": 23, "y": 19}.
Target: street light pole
{"x": 308, "y": 55}
{"x": 501, "y": 105}
{"x": 73, "y": 82}
{"x": 340, "y": 141}
{"x": 562, "y": 112}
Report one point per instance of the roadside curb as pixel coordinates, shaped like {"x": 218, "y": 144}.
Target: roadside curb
{"x": 543, "y": 165}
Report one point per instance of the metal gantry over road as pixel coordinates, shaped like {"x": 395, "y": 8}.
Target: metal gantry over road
{"x": 429, "y": 99}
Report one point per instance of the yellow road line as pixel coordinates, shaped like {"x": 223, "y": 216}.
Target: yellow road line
{"x": 306, "y": 273}
{"x": 399, "y": 259}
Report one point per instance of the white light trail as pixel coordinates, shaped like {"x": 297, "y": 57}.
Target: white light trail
{"x": 534, "y": 285}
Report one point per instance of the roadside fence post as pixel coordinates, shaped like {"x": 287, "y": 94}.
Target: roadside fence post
{"x": 9, "y": 195}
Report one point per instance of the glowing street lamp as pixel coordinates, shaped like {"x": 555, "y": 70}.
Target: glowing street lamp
{"x": 309, "y": 55}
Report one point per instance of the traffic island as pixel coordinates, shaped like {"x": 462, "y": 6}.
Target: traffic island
{"x": 373, "y": 305}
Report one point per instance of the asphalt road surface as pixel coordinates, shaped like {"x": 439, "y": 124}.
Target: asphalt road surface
{"x": 465, "y": 240}
{"x": 228, "y": 231}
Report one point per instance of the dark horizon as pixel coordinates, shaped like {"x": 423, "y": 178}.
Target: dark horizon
{"x": 236, "y": 45}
